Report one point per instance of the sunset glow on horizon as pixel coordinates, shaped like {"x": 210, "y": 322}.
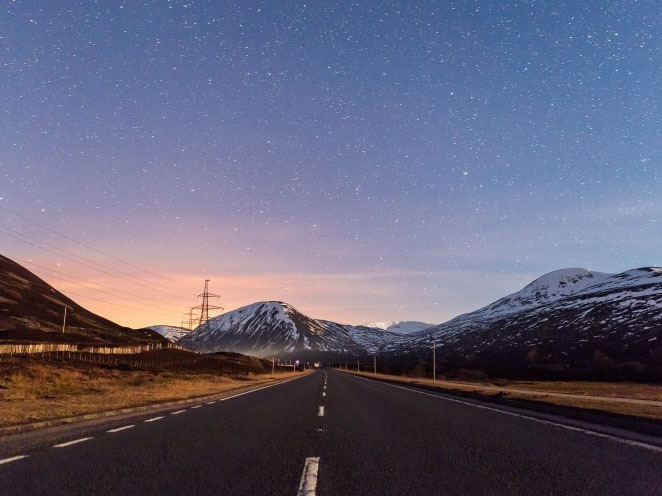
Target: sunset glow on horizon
{"x": 360, "y": 161}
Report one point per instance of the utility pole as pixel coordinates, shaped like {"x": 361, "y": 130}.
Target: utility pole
{"x": 273, "y": 365}
{"x": 358, "y": 369}
{"x": 205, "y": 306}
{"x": 64, "y": 321}
{"x": 434, "y": 361}
{"x": 374, "y": 361}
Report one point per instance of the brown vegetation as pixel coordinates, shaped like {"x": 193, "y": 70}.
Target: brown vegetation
{"x": 640, "y": 400}
{"x": 34, "y": 389}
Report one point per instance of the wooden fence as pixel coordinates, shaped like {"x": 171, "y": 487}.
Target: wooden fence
{"x": 29, "y": 349}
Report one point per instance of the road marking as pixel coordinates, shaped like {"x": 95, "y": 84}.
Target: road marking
{"x": 321, "y": 412}
{"x": 13, "y": 459}
{"x": 121, "y": 428}
{"x": 177, "y": 412}
{"x": 261, "y": 388}
{"x": 197, "y": 406}
{"x": 323, "y": 394}
{"x": 622, "y": 440}
{"x": 69, "y": 443}
{"x": 211, "y": 402}
{"x": 154, "y": 419}
{"x": 308, "y": 484}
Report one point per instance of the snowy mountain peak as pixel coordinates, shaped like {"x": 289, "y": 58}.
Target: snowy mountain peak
{"x": 265, "y": 328}
{"x": 563, "y": 282}
{"x": 171, "y": 333}
{"x": 400, "y": 326}
{"x": 545, "y": 289}
{"x": 270, "y": 328}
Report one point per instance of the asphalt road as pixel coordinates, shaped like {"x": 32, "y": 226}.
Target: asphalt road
{"x": 370, "y": 438}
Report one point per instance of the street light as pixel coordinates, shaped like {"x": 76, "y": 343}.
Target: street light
{"x": 434, "y": 361}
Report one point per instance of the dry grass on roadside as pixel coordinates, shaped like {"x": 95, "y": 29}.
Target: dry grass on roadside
{"x": 614, "y": 397}
{"x": 31, "y": 390}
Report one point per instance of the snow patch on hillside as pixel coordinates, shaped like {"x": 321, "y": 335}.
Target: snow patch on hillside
{"x": 400, "y": 326}
{"x": 171, "y": 333}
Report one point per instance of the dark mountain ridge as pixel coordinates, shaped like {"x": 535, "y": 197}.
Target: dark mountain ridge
{"x": 31, "y": 310}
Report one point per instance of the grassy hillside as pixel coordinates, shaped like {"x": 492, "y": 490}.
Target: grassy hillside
{"x": 31, "y": 311}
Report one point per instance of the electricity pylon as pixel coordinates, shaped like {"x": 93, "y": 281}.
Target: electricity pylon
{"x": 189, "y": 314}
{"x": 205, "y": 307}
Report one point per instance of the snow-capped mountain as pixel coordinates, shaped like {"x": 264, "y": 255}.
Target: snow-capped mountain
{"x": 566, "y": 322}
{"x": 561, "y": 321}
{"x": 400, "y": 326}
{"x": 273, "y": 327}
{"x": 171, "y": 333}
{"x": 548, "y": 288}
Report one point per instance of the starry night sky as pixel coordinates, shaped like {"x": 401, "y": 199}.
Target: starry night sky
{"x": 360, "y": 160}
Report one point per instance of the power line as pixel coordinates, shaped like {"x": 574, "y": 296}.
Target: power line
{"x": 84, "y": 264}
{"x": 116, "y": 304}
{"x": 69, "y": 277}
{"x": 97, "y": 299}
{"x": 89, "y": 247}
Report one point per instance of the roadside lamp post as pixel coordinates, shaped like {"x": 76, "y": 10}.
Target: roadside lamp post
{"x": 434, "y": 361}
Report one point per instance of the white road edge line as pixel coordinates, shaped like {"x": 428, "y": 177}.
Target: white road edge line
{"x": 622, "y": 440}
{"x": 13, "y": 459}
{"x": 177, "y": 412}
{"x": 154, "y": 419}
{"x": 122, "y": 428}
{"x": 259, "y": 389}
{"x": 69, "y": 443}
{"x": 308, "y": 484}
{"x": 321, "y": 412}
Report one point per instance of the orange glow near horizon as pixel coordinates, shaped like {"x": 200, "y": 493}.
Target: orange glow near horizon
{"x": 356, "y": 298}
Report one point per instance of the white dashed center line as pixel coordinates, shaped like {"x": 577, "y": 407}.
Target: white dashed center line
{"x": 211, "y": 402}
{"x": 69, "y": 443}
{"x": 13, "y": 459}
{"x": 197, "y": 406}
{"x": 154, "y": 419}
{"x": 323, "y": 394}
{"x": 308, "y": 484}
{"x": 321, "y": 412}
{"x": 177, "y": 412}
{"x": 121, "y": 428}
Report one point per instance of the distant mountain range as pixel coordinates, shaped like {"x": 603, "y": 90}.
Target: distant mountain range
{"x": 400, "y": 326}
{"x": 274, "y": 328}
{"x": 566, "y": 323}
{"x": 171, "y": 333}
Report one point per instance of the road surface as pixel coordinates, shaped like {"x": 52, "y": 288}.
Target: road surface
{"x": 350, "y": 436}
